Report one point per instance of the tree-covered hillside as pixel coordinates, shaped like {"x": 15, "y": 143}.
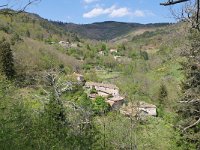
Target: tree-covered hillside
{"x": 107, "y": 30}
{"x": 43, "y": 105}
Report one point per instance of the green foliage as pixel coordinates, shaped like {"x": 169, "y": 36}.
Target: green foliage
{"x": 29, "y": 121}
{"x": 84, "y": 102}
{"x": 144, "y": 55}
{"x": 93, "y": 91}
{"x": 190, "y": 108}
{"x": 100, "y": 106}
{"x": 108, "y": 30}
{"x": 103, "y": 47}
{"x": 15, "y": 38}
{"x": 119, "y": 132}
{"x": 122, "y": 47}
{"x": 163, "y": 94}
{"x": 6, "y": 60}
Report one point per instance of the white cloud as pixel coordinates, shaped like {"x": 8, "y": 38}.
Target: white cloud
{"x": 121, "y": 12}
{"x": 116, "y": 12}
{"x": 94, "y": 13}
{"x": 142, "y": 13}
{"x": 90, "y": 1}
{"x": 112, "y": 11}
{"x": 138, "y": 13}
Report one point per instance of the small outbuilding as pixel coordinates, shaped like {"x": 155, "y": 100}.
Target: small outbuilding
{"x": 113, "y": 50}
{"x": 147, "y": 109}
{"x": 139, "y": 109}
{"x": 115, "y": 102}
{"x": 79, "y": 77}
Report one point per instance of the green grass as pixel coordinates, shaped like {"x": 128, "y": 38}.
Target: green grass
{"x": 106, "y": 75}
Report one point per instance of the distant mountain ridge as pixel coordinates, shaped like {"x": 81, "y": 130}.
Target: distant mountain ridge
{"x": 107, "y": 30}
{"x": 104, "y": 31}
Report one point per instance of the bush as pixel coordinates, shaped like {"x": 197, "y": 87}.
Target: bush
{"x": 100, "y": 106}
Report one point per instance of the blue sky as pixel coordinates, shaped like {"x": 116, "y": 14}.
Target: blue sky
{"x": 88, "y": 11}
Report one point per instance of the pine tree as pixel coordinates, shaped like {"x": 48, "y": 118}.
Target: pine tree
{"x": 6, "y": 59}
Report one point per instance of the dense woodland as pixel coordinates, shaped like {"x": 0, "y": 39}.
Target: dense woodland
{"x": 42, "y": 106}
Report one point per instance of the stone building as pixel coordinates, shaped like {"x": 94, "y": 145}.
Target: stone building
{"x": 103, "y": 89}
{"x": 79, "y": 77}
{"x": 139, "y": 109}
{"x": 109, "y": 91}
{"x": 147, "y": 109}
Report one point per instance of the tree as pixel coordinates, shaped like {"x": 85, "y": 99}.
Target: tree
{"x": 6, "y": 59}
{"x": 190, "y": 12}
{"x": 171, "y": 2}
{"x": 18, "y": 6}
{"x": 189, "y": 110}
{"x": 190, "y": 103}
{"x": 103, "y": 47}
{"x": 162, "y": 94}
{"x": 100, "y": 106}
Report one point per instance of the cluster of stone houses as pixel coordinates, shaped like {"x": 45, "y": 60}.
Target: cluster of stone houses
{"x": 112, "y": 96}
{"x": 109, "y": 91}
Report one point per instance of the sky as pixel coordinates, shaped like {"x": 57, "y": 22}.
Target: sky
{"x": 89, "y": 11}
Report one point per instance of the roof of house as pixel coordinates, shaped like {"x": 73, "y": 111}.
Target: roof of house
{"x": 112, "y": 86}
{"x": 116, "y": 98}
{"x": 111, "y": 103}
{"x": 93, "y": 95}
{"x": 78, "y": 75}
{"x": 146, "y": 105}
{"x": 112, "y": 50}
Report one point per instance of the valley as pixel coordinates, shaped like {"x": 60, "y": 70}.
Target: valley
{"x": 107, "y": 85}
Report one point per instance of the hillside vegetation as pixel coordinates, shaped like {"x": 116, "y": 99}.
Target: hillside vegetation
{"x": 107, "y": 30}
{"x": 42, "y": 106}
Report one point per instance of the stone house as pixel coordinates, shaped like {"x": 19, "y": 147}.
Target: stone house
{"x": 147, "y": 109}
{"x": 117, "y": 58}
{"x": 101, "y": 53}
{"x": 113, "y": 51}
{"x": 74, "y": 45}
{"x": 109, "y": 91}
{"x": 115, "y": 102}
{"x": 64, "y": 43}
{"x": 103, "y": 89}
{"x": 140, "y": 109}
{"x": 79, "y": 77}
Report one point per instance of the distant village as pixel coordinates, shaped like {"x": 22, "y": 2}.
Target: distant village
{"x": 113, "y": 51}
{"x": 111, "y": 92}
{"x": 112, "y": 96}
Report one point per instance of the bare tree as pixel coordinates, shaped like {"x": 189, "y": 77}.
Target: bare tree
{"x": 189, "y": 12}
{"x": 19, "y": 6}
{"x": 172, "y": 2}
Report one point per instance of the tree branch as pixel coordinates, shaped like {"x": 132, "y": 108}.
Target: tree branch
{"x": 192, "y": 125}
{"x": 173, "y": 2}
{"x": 6, "y": 9}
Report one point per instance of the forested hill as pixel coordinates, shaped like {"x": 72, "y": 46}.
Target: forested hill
{"x": 107, "y": 30}
{"x": 46, "y": 103}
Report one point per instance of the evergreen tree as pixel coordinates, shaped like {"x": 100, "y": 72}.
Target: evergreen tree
{"x": 103, "y": 47}
{"x": 6, "y": 59}
{"x": 162, "y": 94}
